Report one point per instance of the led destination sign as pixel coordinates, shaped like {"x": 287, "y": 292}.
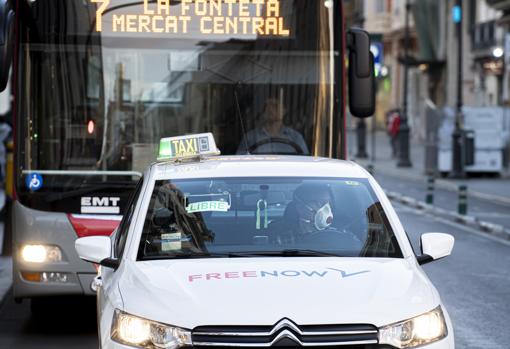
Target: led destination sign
{"x": 216, "y": 17}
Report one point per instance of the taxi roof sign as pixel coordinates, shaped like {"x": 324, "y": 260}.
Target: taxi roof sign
{"x": 187, "y": 147}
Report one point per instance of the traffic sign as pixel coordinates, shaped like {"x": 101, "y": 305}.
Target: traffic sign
{"x": 377, "y": 50}
{"x": 457, "y": 14}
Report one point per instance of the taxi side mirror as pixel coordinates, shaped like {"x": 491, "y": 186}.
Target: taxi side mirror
{"x": 96, "y": 249}
{"x": 435, "y": 246}
{"x": 361, "y": 74}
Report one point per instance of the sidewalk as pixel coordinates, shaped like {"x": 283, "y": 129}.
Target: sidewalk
{"x": 493, "y": 189}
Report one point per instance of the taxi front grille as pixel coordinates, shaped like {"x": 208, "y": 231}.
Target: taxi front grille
{"x": 345, "y": 346}
{"x": 286, "y": 334}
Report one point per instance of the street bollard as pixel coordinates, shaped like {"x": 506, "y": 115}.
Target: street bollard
{"x": 431, "y": 182}
{"x": 462, "y": 207}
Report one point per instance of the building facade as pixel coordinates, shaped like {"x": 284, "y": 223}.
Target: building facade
{"x": 433, "y": 57}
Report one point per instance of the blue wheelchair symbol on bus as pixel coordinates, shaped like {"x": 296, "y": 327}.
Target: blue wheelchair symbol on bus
{"x": 34, "y": 181}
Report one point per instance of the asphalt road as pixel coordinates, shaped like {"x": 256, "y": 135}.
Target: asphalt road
{"x": 474, "y": 283}
{"x": 486, "y": 210}
{"x": 68, "y": 325}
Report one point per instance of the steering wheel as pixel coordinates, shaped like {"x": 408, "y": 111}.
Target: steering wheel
{"x": 355, "y": 225}
{"x": 294, "y": 145}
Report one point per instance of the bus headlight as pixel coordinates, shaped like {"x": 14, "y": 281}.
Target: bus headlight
{"x": 41, "y": 254}
{"x": 141, "y": 333}
{"x": 424, "y": 329}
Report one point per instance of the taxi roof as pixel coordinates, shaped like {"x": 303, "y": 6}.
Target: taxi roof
{"x": 258, "y": 165}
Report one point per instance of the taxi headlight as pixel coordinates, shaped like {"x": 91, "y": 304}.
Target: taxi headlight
{"x": 141, "y": 333}
{"x": 424, "y": 329}
{"x": 41, "y": 254}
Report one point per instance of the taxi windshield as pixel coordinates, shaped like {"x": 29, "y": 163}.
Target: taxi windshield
{"x": 244, "y": 217}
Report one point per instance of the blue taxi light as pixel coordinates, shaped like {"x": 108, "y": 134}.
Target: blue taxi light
{"x": 185, "y": 147}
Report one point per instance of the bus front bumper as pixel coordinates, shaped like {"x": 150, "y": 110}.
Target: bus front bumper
{"x": 53, "y": 284}
{"x": 67, "y": 276}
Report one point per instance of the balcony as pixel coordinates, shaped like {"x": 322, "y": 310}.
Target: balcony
{"x": 485, "y": 35}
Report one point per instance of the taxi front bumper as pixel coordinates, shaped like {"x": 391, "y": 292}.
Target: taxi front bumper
{"x": 446, "y": 343}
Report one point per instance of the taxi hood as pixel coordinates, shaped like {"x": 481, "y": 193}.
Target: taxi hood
{"x": 262, "y": 291}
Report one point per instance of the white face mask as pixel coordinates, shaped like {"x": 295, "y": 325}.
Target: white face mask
{"x": 323, "y": 217}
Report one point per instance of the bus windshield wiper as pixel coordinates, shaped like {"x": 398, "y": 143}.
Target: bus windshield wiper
{"x": 285, "y": 253}
{"x": 57, "y": 196}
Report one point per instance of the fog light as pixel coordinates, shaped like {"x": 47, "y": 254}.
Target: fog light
{"x": 54, "y": 277}
{"x": 45, "y": 277}
{"x": 32, "y": 277}
{"x": 41, "y": 254}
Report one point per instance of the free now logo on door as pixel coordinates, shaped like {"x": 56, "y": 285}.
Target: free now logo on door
{"x": 342, "y": 274}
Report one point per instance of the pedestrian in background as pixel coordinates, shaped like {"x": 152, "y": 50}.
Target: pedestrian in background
{"x": 393, "y": 128}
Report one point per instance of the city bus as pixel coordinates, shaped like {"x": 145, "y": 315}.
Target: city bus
{"x": 97, "y": 84}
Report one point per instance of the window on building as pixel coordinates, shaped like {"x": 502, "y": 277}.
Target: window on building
{"x": 380, "y": 6}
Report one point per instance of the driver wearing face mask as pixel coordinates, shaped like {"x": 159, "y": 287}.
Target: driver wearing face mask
{"x": 313, "y": 207}
{"x": 310, "y": 213}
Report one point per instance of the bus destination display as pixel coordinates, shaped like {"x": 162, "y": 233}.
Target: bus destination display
{"x": 210, "y": 17}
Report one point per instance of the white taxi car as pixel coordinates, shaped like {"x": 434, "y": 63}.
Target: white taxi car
{"x": 263, "y": 251}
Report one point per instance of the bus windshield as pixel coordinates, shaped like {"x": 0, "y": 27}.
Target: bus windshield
{"x": 104, "y": 80}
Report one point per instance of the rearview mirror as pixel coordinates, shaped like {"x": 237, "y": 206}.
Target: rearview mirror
{"x": 6, "y": 41}
{"x": 96, "y": 249}
{"x": 361, "y": 74}
{"x": 435, "y": 246}
{"x": 249, "y": 199}
{"x": 162, "y": 217}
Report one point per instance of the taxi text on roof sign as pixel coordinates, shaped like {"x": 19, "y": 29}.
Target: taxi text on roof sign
{"x": 220, "y": 17}
{"x": 182, "y": 147}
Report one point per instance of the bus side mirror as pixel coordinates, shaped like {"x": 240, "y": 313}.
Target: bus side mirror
{"x": 6, "y": 41}
{"x": 361, "y": 74}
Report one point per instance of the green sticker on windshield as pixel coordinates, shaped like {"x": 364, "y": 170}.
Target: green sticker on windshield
{"x": 353, "y": 183}
{"x": 208, "y": 206}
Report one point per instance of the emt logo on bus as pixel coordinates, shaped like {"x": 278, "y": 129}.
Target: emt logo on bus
{"x": 231, "y": 17}
{"x": 96, "y": 204}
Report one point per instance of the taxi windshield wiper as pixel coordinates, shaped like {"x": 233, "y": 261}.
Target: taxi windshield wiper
{"x": 186, "y": 256}
{"x": 284, "y": 253}
{"x": 244, "y": 254}
{"x": 191, "y": 255}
